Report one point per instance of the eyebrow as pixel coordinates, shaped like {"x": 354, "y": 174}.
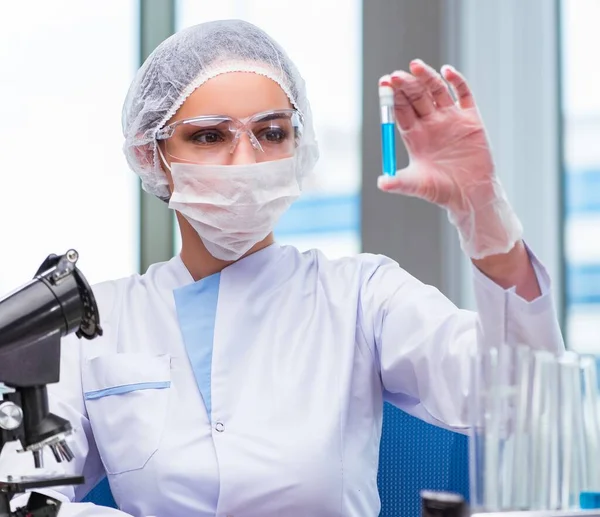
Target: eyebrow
{"x": 274, "y": 116}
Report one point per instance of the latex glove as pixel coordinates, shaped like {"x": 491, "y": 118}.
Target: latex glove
{"x": 451, "y": 162}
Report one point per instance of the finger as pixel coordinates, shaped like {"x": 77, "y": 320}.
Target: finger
{"x": 433, "y": 82}
{"x": 415, "y": 92}
{"x": 406, "y": 117}
{"x": 459, "y": 85}
{"x": 405, "y": 182}
{"x": 403, "y": 112}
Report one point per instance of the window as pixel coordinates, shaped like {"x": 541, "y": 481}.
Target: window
{"x": 327, "y": 215}
{"x": 66, "y": 68}
{"x": 581, "y": 117}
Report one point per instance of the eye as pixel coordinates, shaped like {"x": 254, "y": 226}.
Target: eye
{"x": 273, "y": 135}
{"x": 207, "y": 137}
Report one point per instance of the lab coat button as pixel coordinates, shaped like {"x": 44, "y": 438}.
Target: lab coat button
{"x": 219, "y": 427}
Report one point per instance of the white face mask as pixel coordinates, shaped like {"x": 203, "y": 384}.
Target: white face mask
{"x": 232, "y": 207}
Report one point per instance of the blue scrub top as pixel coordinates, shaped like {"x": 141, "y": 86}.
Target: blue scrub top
{"x": 196, "y": 306}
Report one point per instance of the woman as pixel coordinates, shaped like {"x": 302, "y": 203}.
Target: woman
{"x": 244, "y": 378}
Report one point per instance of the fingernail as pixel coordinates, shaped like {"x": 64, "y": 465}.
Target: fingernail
{"x": 385, "y": 80}
{"x": 450, "y": 68}
{"x": 418, "y": 62}
{"x": 382, "y": 180}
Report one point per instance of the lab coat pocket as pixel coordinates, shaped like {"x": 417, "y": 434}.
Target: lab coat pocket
{"x": 127, "y": 397}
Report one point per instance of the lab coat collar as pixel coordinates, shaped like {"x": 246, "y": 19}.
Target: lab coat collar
{"x": 245, "y": 268}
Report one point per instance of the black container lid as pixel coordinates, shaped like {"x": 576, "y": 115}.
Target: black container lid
{"x": 442, "y": 504}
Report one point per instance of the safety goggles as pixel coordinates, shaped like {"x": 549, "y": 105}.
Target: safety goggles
{"x": 213, "y": 138}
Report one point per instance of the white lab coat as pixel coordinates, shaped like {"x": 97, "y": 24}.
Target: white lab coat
{"x": 305, "y": 351}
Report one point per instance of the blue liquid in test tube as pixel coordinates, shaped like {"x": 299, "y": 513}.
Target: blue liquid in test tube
{"x": 388, "y": 148}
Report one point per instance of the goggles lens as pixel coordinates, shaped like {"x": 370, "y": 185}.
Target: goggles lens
{"x": 213, "y": 138}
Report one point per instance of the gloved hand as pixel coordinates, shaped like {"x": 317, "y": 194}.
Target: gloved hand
{"x": 451, "y": 163}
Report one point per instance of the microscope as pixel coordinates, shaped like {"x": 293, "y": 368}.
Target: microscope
{"x": 33, "y": 319}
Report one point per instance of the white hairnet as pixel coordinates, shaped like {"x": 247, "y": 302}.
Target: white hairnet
{"x": 185, "y": 61}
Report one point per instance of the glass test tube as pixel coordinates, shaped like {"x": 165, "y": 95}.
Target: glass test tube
{"x": 491, "y": 461}
{"x": 542, "y": 439}
{"x": 522, "y": 471}
{"x": 591, "y": 422}
{"x": 388, "y": 126}
{"x": 506, "y": 423}
{"x": 572, "y": 461}
{"x": 477, "y": 397}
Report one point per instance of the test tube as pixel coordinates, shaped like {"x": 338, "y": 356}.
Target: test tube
{"x": 506, "y": 424}
{"x": 483, "y": 458}
{"x": 477, "y": 410}
{"x": 521, "y": 489}
{"x": 491, "y": 477}
{"x": 572, "y": 458}
{"x": 388, "y": 126}
{"x": 591, "y": 423}
{"x": 542, "y": 439}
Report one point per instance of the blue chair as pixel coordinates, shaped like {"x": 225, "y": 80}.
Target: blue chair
{"x": 413, "y": 456}
{"x": 101, "y": 495}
